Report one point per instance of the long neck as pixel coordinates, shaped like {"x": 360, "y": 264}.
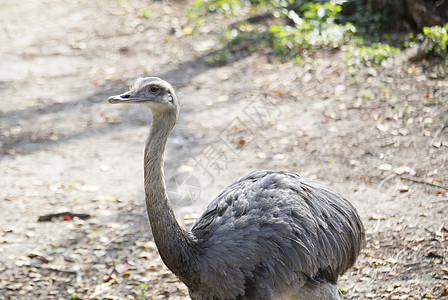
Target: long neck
{"x": 174, "y": 244}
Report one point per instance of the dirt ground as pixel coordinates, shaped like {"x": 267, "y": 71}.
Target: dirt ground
{"x": 380, "y": 138}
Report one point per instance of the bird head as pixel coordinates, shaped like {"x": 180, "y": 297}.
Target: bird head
{"x": 153, "y": 92}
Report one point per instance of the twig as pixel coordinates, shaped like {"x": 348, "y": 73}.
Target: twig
{"x": 377, "y": 226}
{"x": 387, "y": 178}
{"x": 439, "y": 201}
{"x": 45, "y": 293}
{"x": 425, "y": 182}
{"x": 436, "y": 135}
{"x": 411, "y": 264}
{"x": 71, "y": 272}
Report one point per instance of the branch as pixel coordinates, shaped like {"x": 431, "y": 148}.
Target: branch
{"x": 425, "y": 182}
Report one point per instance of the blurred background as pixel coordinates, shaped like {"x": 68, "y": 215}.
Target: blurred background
{"x": 353, "y": 94}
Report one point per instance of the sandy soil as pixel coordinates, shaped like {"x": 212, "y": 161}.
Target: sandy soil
{"x": 380, "y": 138}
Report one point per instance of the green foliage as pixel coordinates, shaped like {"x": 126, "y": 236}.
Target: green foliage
{"x": 374, "y": 55}
{"x": 300, "y": 25}
{"x": 142, "y": 295}
{"x": 290, "y": 41}
{"x": 218, "y": 58}
{"x": 434, "y": 38}
{"x": 411, "y": 41}
{"x": 437, "y": 39}
{"x": 146, "y": 13}
{"x": 312, "y": 26}
{"x": 225, "y": 7}
{"x": 315, "y": 29}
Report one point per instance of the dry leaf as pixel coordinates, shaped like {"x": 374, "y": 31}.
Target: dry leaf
{"x": 403, "y": 189}
{"x": 444, "y": 270}
{"x": 385, "y": 167}
{"x": 188, "y": 30}
{"x": 279, "y": 93}
{"x": 121, "y": 268}
{"x": 382, "y": 127}
{"x": 404, "y": 169}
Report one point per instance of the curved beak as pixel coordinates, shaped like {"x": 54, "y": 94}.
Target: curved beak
{"x": 125, "y": 98}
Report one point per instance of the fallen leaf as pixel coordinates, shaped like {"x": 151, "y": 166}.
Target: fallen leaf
{"x": 278, "y": 156}
{"x": 188, "y": 30}
{"x": 340, "y": 88}
{"x": 404, "y": 169}
{"x": 121, "y": 268}
{"x": 241, "y": 143}
{"x": 223, "y": 98}
{"x": 14, "y": 286}
{"x": 150, "y": 245}
{"x": 437, "y": 144}
{"x": 444, "y": 270}
{"x": 385, "y": 167}
{"x": 37, "y": 254}
{"x": 403, "y": 131}
{"x": 113, "y": 224}
{"x": 403, "y": 189}
{"x": 261, "y": 155}
{"x": 382, "y": 127}
{"x": 99, "y": 253}
{"x": 283, "y": 141}
{"x": 427, "y": 121}
{"x": 279, "y": 93}
{"x": 392, "y": 260}
{"x": 105, "y": 168}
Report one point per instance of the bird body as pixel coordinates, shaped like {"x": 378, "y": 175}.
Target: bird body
{"x": 270, "y": 232}
{"x": 269, "y": 235}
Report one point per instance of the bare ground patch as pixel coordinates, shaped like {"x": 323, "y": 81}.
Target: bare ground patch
{"x": 380, "y": 138}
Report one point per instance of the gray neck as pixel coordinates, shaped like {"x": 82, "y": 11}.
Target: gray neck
{"x": 174, "y": 243}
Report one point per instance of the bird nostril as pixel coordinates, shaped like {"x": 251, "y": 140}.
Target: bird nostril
{"x": 125, "y": 96}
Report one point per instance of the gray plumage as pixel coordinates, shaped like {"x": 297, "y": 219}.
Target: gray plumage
{"x": 270, "y": 235}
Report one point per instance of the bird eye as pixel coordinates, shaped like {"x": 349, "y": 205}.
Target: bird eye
{"x": 154, "y": 89}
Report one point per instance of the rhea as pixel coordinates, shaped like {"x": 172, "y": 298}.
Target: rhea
{"x": 269, "y": 235}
